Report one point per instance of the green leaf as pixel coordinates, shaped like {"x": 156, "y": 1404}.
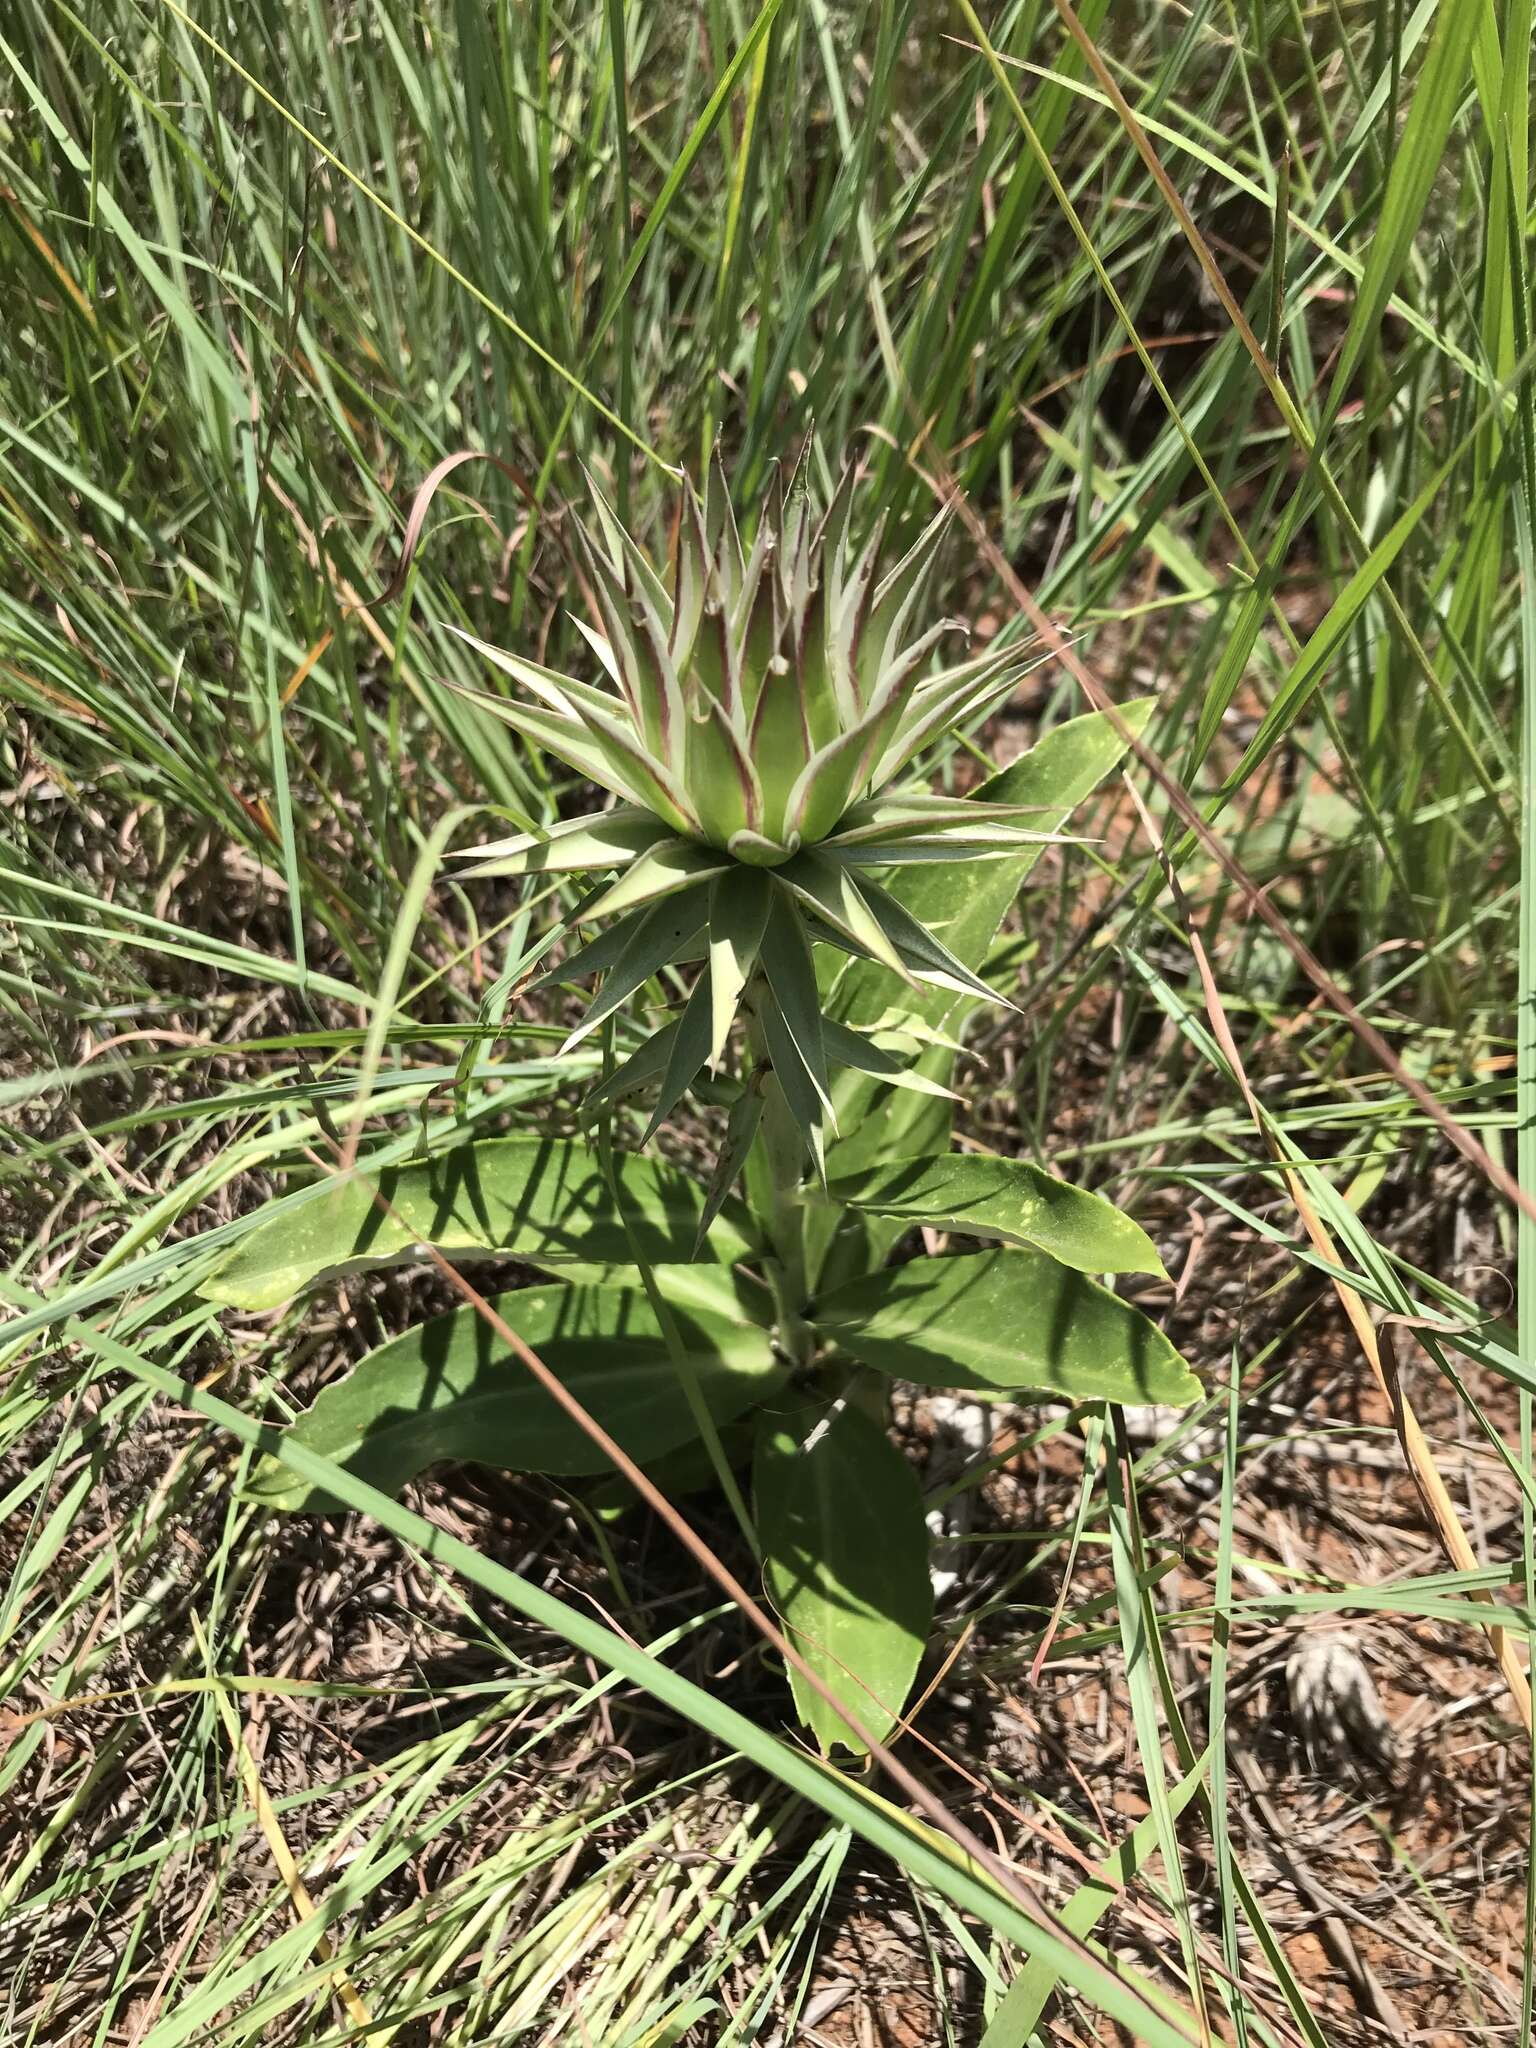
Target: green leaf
{"x": 893, "y": 815}
{"x": 738, "y": 910}
{"x": 833, "y": 893}
{"x": 897, "y": 594}
{"x": 997, "y": 1322}
{"x": 670, "y": 930}
{"x": 1006, "y": 1198}
{"x": 722, "y": 776}
{"x": 643, "y": 1069}
{"x": 659, "y": 872}
{"x": 536, "y": 1198}
{"x": 1414, "y": 164}
{"x": 624, "y": 552}
{"x": 728, "y": 1291}
{"x": 562, "y": 737}
{"x": 450, "y": 1390}
{"x": 678, "y": 1473}
{"x": 673, "y": 931}
{"x": 845, "y": 1558}
{"x": 740, "y": 1136}
{"x": 610, "y": 840}
{"x": 780, "y": 742}
{"x": 605, "y": 720}
{"x": 791, "y": 977}
{"x": 924, "y": 952}
{"x": 852, "y": 1049}
{"x": 964, "y": 903}
{"x": 939, "y": 849}
{"x": 970, "y": 691}
{"x": 833, "y": 775}
{"x": 661, "y": 938}
{"x": 688, "y": 1053}
{"x": 803, "y": 1098}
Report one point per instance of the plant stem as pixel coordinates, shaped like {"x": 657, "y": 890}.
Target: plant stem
{"x": 774, "y": 1173}
{"x": 682, "y": 1365}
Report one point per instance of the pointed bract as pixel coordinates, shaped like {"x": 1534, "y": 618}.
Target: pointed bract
{"x": 750, "y": 707}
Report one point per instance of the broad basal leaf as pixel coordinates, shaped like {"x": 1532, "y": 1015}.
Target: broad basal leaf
{"x": 543, "y": 1199}
{"x": 999, "y": 1322}
{"x": 451, "y": 1390}
{"x": 688, "y": 1469}
{"x": 729, "y": 1291}
{"x": 845, "y": 1557}
{"x": 1006, "y": 1198}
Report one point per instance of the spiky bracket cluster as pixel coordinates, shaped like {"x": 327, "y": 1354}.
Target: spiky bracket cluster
{"x": 757, "y": 707}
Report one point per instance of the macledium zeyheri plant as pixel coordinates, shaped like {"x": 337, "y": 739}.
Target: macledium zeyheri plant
{"x": 757, "y": 716}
